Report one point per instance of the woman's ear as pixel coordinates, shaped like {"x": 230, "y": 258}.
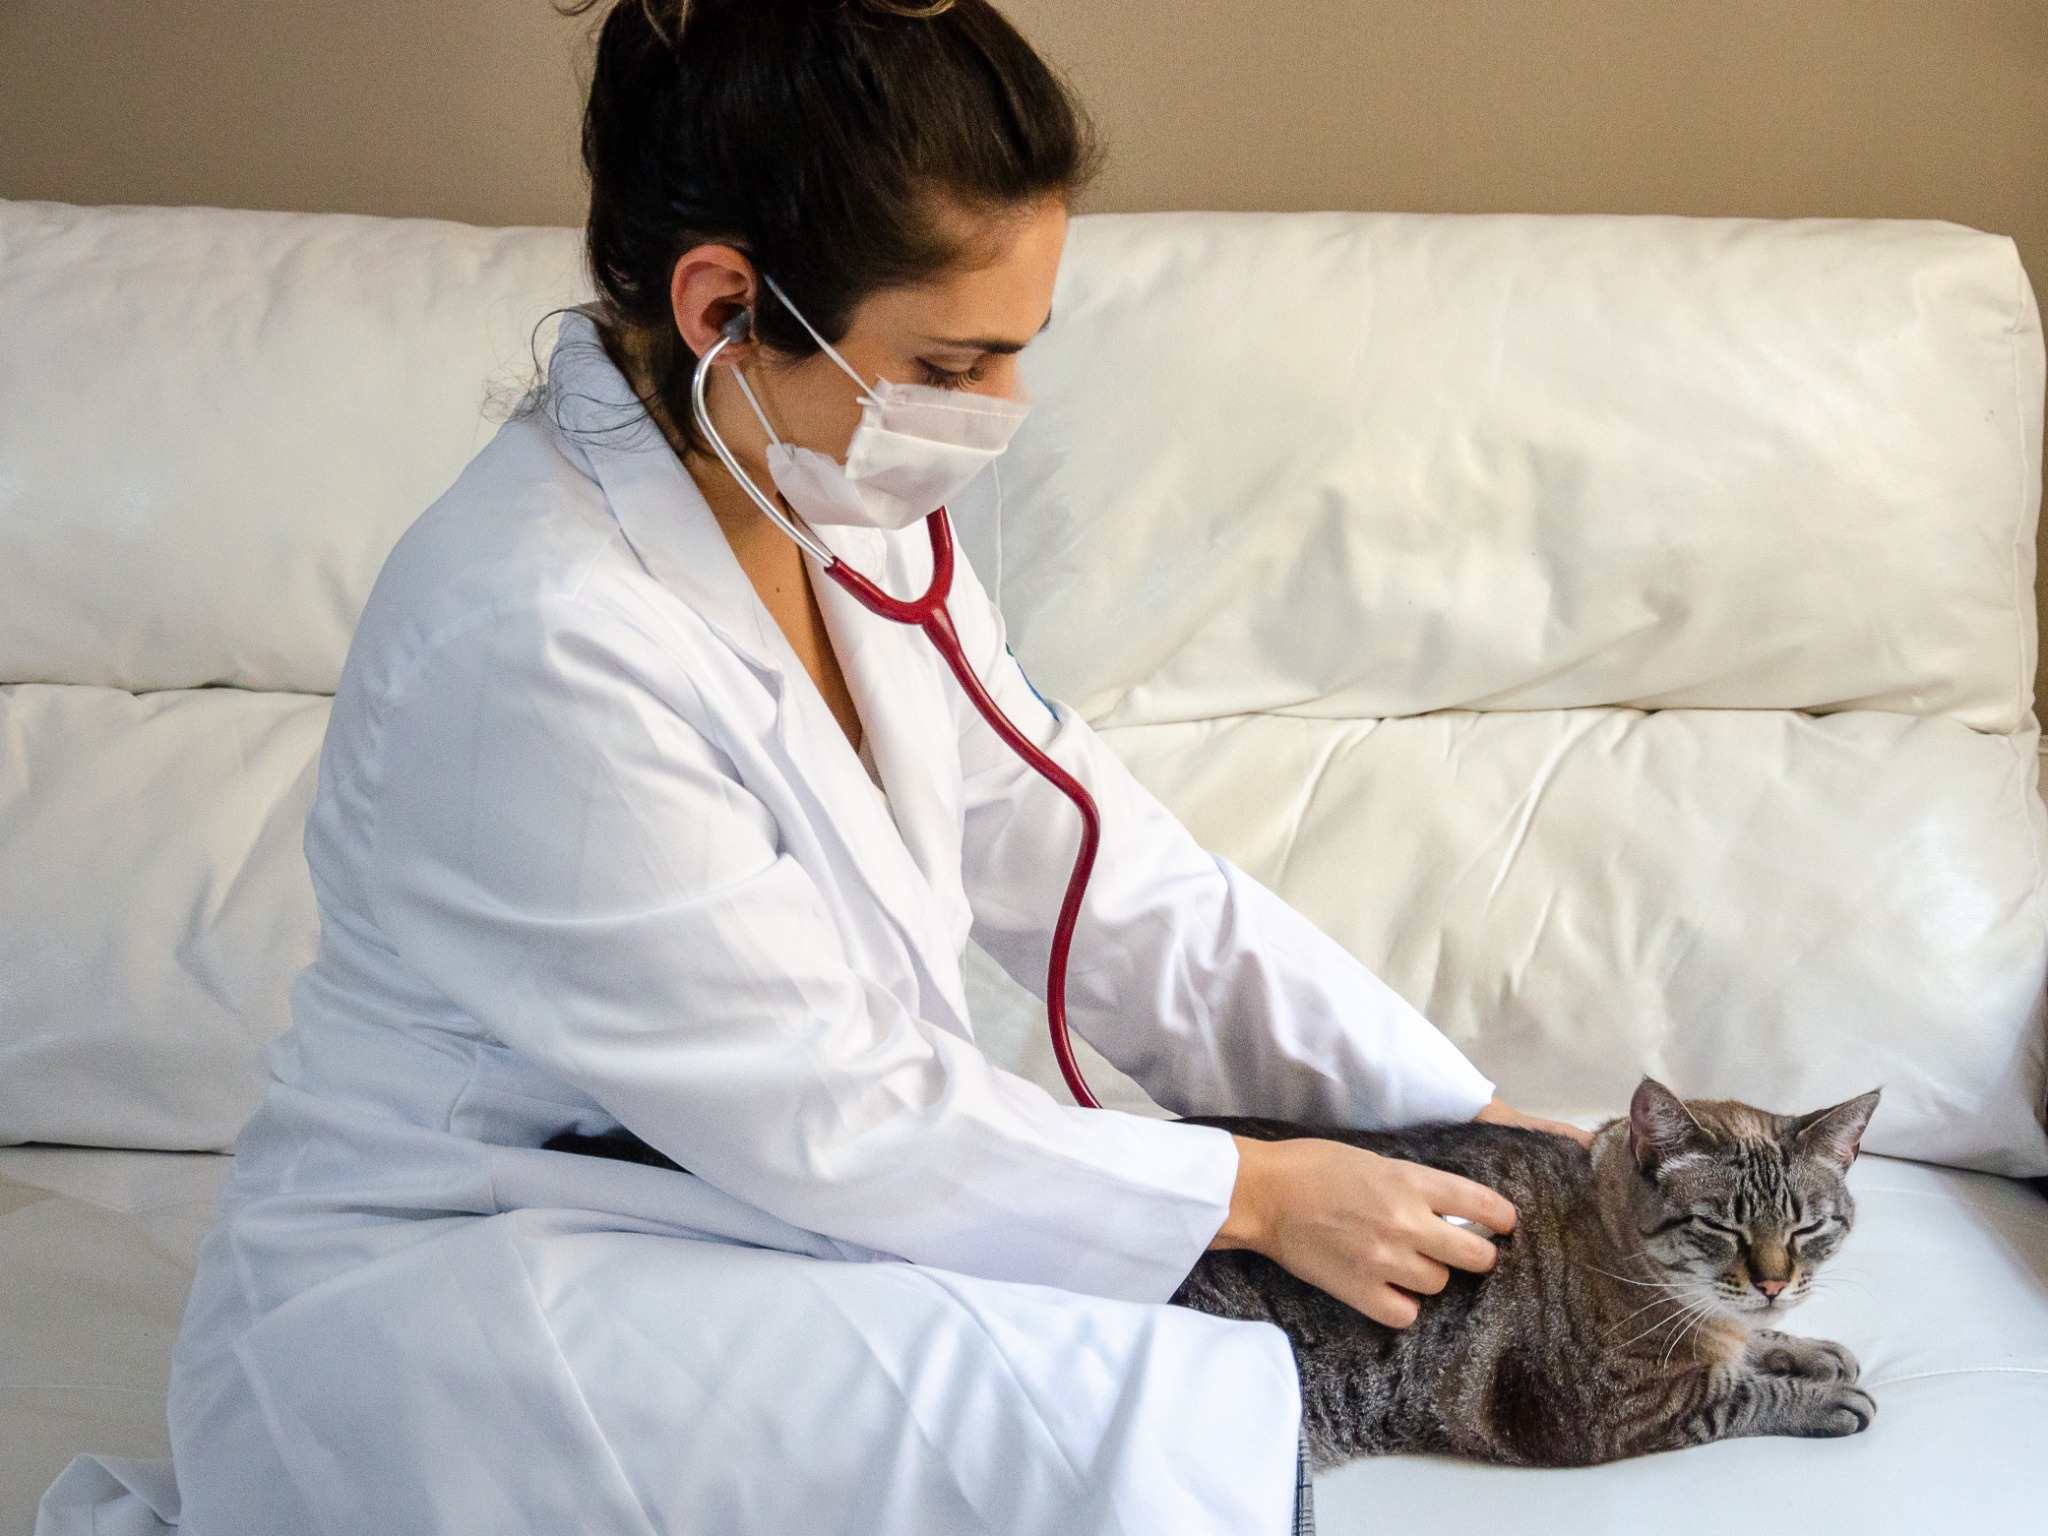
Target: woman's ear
{"x": 708, "y": 286}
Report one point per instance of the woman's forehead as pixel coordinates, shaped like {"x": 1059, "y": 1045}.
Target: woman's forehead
{"x": 996, "y": 301}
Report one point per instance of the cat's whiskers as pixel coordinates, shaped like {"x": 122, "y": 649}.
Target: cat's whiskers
{"x": 1673, "y": 1319}
{"x": 1670, "y": 1293}
{"x": 1662, "y": 1285}
{"x": 1684, "y": 1307}
{"x": 1666, "y": 1300}
{"x": 1703, "y": 1314}
{"x": 1705, "y": 1305}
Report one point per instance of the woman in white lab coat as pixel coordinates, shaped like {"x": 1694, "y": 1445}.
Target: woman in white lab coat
{"x": 629, "y": 825}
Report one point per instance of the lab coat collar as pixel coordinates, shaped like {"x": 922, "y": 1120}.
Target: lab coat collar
{"x": 656, "y": 503}
{"x": 911, "y": 865}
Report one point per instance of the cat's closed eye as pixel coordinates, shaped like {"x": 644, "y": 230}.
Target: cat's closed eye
{"x": 1710, "y": 1236}
{"x": 1816, "y": 1240}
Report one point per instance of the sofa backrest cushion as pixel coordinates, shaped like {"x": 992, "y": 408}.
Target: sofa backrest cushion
{"x": 1617, "y": 632}
{"x": 154, "y": 907}
{"x": 1354, "y": 466}
{"x": 214, "y": 425}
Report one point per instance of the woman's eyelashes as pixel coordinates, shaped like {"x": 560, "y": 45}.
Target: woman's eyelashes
{"x": 950, "y": 378}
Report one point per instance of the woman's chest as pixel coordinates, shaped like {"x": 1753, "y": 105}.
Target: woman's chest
{"x": 886, "y": 859}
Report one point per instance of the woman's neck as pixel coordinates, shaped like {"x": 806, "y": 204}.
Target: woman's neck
{"x": 734, "y": 509}
{"x": 771, "y": 560}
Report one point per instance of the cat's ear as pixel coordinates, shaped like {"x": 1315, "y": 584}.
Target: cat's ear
{"x": 1660, "y": 1127}
{"x": 1833, "y": 1135}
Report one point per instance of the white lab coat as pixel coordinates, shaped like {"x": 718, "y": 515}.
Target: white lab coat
{"x": 590, "y": 851}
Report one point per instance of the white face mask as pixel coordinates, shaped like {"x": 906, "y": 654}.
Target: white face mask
{"x": 915, "y": 448}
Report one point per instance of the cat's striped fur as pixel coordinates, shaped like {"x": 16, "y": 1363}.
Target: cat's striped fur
{"x": 1630, "y": 1311}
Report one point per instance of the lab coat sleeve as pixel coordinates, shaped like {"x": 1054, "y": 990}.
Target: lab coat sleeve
{"x": 562, "y": 850}
{"x": 1186, "y": 973}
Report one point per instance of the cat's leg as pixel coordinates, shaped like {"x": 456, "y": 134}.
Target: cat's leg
{"x": 1787, "y": 1354}
{"x": 1747, "y": 1401}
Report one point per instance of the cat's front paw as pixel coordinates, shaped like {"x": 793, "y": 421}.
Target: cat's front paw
{"x": 1787, "y": 1354}
{"x": 1827, "y": 1412}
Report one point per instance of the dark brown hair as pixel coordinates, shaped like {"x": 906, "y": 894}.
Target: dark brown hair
{"x": 825, "y": 139}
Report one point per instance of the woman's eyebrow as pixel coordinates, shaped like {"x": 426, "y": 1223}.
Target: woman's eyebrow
{"x": 997, "y": 344}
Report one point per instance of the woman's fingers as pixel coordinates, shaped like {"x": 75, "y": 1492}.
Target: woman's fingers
{"x": 1456, "y": 1246}
{"x": 1418, "y": 1273}
{"x": 1365, "y": 1228}
{"x": 1450, "y": 1195}
{"x": 1498, "y": 1113}
{"x": 1384, "y": 1304}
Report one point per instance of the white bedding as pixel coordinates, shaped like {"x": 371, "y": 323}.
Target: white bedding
{"x": 96, "y": 1252}
{"x": 1943, "y": 1292}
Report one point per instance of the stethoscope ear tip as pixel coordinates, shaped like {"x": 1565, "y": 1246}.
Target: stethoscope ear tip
{"x": 739, "y": 327}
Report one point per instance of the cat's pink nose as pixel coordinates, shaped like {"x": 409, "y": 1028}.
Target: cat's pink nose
{"x": 1770, "y": 1288}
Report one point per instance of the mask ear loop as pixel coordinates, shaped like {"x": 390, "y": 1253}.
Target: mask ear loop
{"x": 830, "y": 350}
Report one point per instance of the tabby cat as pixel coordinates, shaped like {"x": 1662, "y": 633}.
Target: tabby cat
{"x": 1628, "y": 1312}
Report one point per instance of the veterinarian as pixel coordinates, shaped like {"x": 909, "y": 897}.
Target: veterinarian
{"x": 629, "y": 825}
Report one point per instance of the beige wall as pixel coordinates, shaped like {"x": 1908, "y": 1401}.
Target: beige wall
{"x": 467, "y": 108}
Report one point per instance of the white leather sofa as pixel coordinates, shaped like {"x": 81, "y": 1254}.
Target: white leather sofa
{"x": 1620, "y": 632}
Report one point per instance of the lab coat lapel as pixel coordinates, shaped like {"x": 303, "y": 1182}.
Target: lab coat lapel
{"x": 676, "y": 535}
{"x": 902, "y": 688}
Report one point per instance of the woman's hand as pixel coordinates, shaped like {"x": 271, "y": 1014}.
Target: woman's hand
{"x": 1498, "y": 1113}
{"x": 1367, "y": 1229}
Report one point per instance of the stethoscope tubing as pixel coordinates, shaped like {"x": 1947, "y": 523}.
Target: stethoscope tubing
{"x": 930, "y": 614}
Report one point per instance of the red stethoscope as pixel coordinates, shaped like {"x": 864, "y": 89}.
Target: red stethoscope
{"x": 929, "y": 614}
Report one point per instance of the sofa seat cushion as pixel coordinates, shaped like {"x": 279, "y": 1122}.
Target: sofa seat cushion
{"x": 1758, "y": 904}
{"x": 98, "y": 1249}
{"x": 1942, "y": 1292}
